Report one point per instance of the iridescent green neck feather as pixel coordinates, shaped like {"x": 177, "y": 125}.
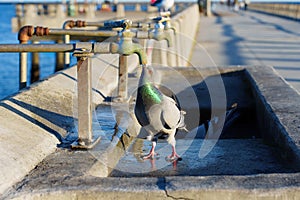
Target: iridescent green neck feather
{"x": 150, "y": 93}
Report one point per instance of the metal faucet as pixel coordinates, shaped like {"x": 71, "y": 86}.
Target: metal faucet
{"x": 160, "y": 31}
{"x": 125, "y": 46}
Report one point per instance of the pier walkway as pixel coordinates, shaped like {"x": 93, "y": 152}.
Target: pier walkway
{"x": 249, "y": 38}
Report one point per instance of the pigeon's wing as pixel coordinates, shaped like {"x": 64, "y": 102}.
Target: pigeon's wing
{"x": 170, "y": 115}
{"x": 169, "y": 93}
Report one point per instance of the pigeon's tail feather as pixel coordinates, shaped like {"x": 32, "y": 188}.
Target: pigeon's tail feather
{"x": 181, "y": 123}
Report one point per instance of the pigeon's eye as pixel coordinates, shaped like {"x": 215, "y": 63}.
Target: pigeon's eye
{"x": 150, "y": 72}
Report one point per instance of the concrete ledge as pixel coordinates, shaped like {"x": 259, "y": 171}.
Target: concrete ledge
{"x": 278, "y": 106}
{"x": 270, "y": 186}
{"x": 278, "y": 110}
{"x": 288, "y": 10}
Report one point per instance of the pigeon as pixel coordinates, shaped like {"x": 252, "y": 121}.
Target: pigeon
{"x": 157, "y": 113}
{"x": 163, "y": 5}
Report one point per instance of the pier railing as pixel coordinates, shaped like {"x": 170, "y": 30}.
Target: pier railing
{"x": 185, "y": 24}
{"x": 291, "y": 10}
{"x": 175, "y": 32}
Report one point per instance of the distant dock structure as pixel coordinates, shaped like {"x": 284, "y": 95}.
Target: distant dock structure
{"x": 54, "y": 14}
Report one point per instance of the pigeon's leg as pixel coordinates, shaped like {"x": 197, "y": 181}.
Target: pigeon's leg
{"x": 152, "y": 152}
{"x": 174, "y": 155}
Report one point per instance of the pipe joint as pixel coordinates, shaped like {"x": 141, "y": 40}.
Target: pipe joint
{"x": 25, "y": 33}
{"x": 71, "y": 24}
{"x": 41, "y": 31}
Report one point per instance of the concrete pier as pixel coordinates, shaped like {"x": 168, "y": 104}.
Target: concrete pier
{"x": 258, "y": 158}
{"x": 53, "y": 178}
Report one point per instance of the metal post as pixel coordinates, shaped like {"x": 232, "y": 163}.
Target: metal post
{"x": 67, "y": 55}
{"x": 123, "y": 78}
{"x": 22, "y": 69}
{"x": 35, "y": 66}
{"x": 59, "y": 59}
{"x": 84, "y": 90}
{"x": 208, "y": 8}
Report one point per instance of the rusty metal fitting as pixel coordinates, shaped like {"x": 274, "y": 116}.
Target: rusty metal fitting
{"x": 41, "y": 31}
{"x": 25, "y": 33}
{"x": 71, "y": 24}
{"x": 80, "y": 23}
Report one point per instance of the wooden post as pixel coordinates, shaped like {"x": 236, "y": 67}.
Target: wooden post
{"x": 35, "y": 66}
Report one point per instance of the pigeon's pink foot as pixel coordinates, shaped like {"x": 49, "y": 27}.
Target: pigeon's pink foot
{"x": 174, "y": 156}
{"x": 150, "y": 155}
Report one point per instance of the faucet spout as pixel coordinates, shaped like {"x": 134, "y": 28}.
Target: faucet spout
{"x": 125, "y": 46}
{"x": 162, "y": 35}
{"x": 138, "y": 49}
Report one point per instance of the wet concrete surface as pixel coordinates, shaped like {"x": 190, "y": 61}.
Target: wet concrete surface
{"x": 228, "y": 157}
{"x": 71, "y": 169}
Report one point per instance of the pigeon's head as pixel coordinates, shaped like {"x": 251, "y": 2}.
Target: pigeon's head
{"x": 151, "y": 75}
{"x": 148, "y": 73}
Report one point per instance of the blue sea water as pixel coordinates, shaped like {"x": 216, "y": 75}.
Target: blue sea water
{"x": 9, "y": 70}
{"x": 9, "y": 62}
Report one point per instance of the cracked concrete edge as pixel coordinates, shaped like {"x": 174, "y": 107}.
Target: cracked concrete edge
{"x": 278, "y": 111}
{"x": 35, "y": 120}
{"x": 262, "y": 186}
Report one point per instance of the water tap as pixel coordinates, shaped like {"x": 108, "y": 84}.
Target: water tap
{"x": 125, "y": 45}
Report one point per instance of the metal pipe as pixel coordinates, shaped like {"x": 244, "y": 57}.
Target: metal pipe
{"x": 14, "y": 48}
{"x": 124, "y": 47}
{"x": 82, "y": 32}
{"x": 125, "y": 24}
{"x": 68, "y": 25}
{"x": 22, "y": 70}
{"x": 27, "y": 32}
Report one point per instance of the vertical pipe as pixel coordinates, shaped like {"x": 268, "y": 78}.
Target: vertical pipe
{"x": 59, "y": 59}
{"x": 35, "y": 66}
{"x": 67, "y": 55}
{"x": 84, "y": 89}
{"x": 123, "y": 77}
{"x": 22, "y": 69}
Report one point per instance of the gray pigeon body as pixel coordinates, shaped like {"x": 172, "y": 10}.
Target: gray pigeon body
{"x": 157, "y": 113}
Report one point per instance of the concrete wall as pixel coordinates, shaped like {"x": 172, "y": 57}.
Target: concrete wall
{"x": 281, "y": 9}
{"x": 186, "y": 25}
{"x": 277, "y": 106}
